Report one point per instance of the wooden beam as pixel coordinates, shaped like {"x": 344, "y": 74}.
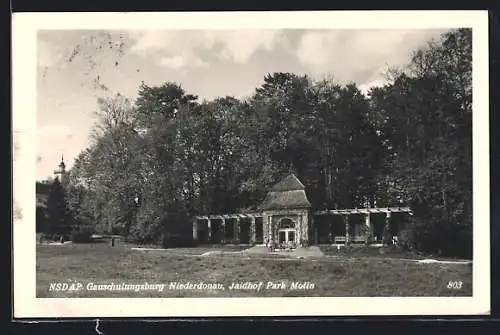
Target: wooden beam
{"x": 363, "y": 211}
{"x": 228, "y": 216}
{"x": 350, "y": 211}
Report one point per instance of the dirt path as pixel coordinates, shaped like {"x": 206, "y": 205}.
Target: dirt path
{"x": 311, "y": 253}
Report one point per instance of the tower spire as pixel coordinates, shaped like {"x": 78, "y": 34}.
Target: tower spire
{"x": 60, "y": 173}
{"x": 62, "y": 166}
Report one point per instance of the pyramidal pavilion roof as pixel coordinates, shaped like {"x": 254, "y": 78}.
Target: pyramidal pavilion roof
{"x": 289, "y": 193}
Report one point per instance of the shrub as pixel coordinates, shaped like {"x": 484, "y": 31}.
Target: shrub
{"x": 46, "y": 237}
{"x": 407, "y": 239}
{"x": 178, "y": 241}
{"x": 230, "y": 241}
{"x": 176, "y": 229}
{"x": 41, "y": 220}
{"x": 81, "y": 236}
{"x": 437, "y": 237}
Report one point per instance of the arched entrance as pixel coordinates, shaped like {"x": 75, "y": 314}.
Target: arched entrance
{"x": 287, "y": 232}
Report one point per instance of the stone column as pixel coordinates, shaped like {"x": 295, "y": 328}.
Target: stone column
{"x": 209, "y": 230}
{"x": 305, "y": 227}
{"x": 265, "y": 229}
{"x": 195, "y": 229}
{"x": 330, "y": 233}
{"x": 306, "y": 223}
{"x": 387, "y": 238}
{"x": 223, "y": 224}
{"x": 368, "y": 228}
{"x": 252, "y": 230}
{"x": 236, "y": 230}
{"x": 298, "y": 227}
{"x": 347, "y": 226}
{"x": 270, "y": 235}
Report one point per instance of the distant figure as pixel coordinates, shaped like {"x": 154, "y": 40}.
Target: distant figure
{"x": 395, "y": 240}
{"x": 112, "y": 241}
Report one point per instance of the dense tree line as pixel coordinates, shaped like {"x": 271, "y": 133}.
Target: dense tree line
{"x": 157, "y": 161}
{"x": 53, "y": 217}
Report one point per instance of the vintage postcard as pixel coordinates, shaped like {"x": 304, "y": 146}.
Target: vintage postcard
{"x": 251, "y": 164}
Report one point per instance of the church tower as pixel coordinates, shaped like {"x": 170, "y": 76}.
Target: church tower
{"x": 60, "y": 173}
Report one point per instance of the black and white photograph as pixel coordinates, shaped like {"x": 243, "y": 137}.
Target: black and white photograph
{"x": 253, "y": 163}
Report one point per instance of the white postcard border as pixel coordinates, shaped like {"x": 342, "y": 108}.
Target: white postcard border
{"x": 26, "y": 305}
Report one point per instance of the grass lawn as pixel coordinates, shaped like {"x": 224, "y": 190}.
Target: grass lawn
{"x": 327, "y": 276}
{"x": 385, "y": 252}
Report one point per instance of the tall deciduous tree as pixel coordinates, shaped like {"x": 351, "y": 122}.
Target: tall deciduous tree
{"x": 426, "y": 118}
{"x": 58, "y": 217}
{"x": 165, "y": 157}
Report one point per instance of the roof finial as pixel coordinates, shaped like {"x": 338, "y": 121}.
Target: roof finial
{"x": 62, "y": 165}
{"x": 291, "y": 168}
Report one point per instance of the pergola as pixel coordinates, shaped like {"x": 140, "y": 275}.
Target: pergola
{"x": 223, "y": 218}
{"x": 365, "y": 211}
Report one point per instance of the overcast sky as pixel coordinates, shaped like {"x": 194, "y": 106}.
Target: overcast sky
{"x": 77, "y": 67}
